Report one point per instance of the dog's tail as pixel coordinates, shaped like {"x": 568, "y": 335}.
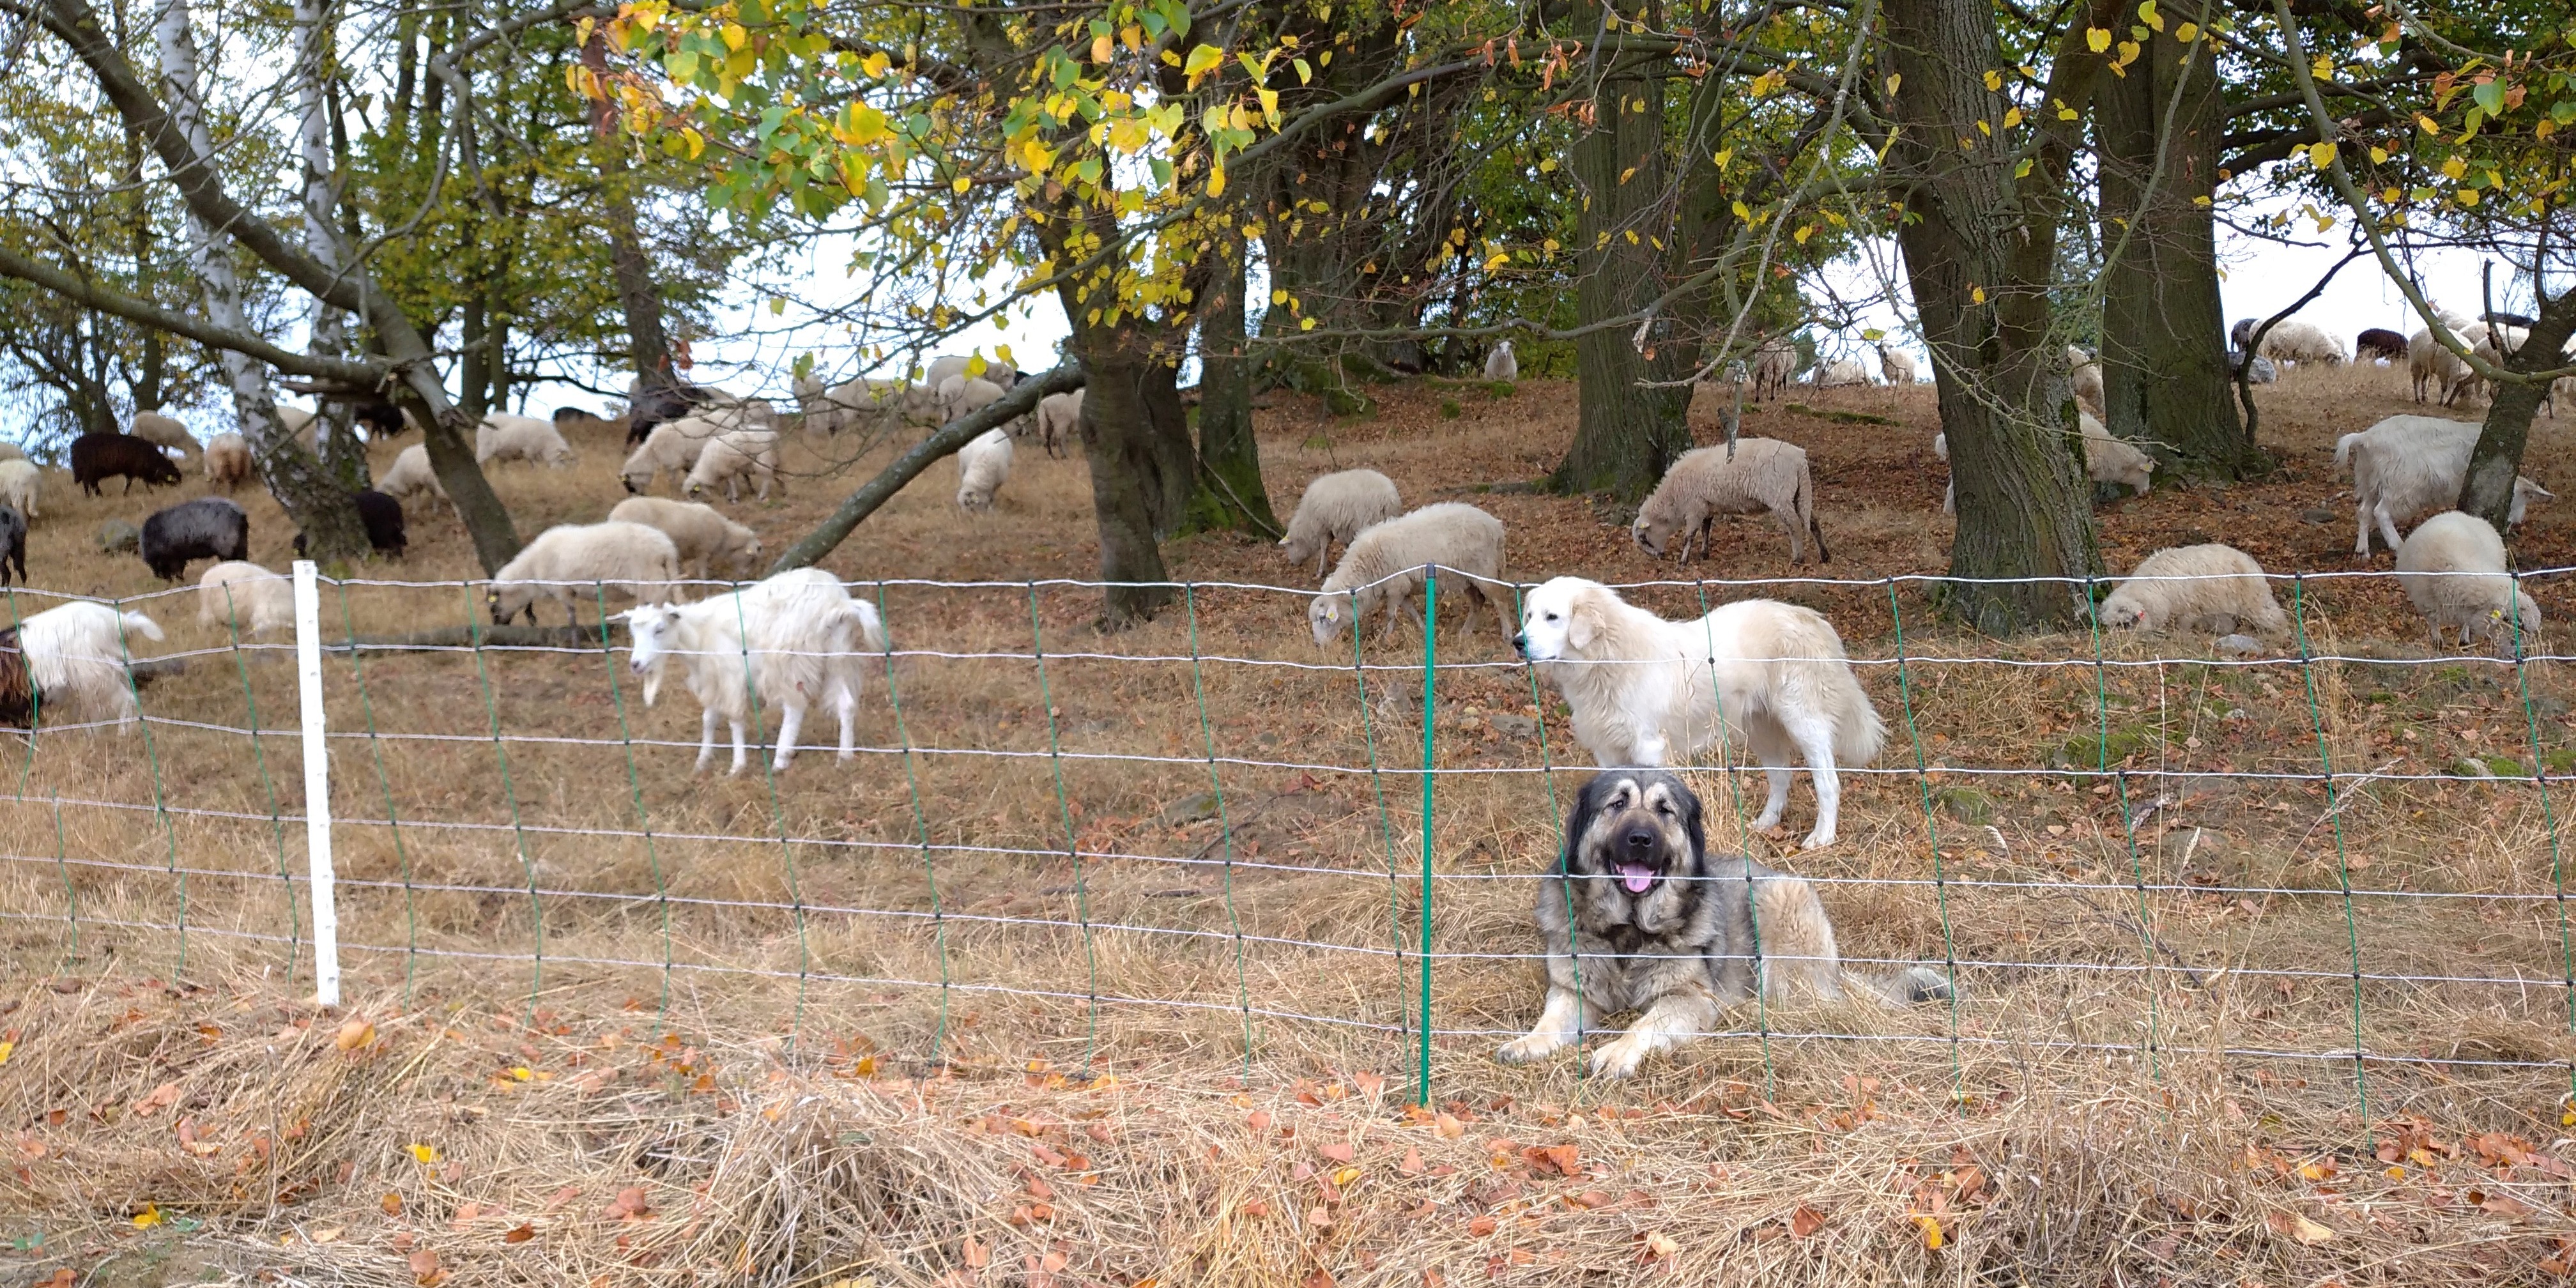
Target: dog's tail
{"x": 1911, "y": 986}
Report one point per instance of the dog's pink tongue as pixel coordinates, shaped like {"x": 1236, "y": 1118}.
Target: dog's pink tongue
{"x": 1636, "y": 877}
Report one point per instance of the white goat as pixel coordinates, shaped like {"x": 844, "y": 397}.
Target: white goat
{"x": 785, "y": 642}
{"x": 2406, "y": 465}
{"x": 77, "y": 658}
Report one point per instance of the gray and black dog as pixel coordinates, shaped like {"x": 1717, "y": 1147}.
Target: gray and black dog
{"x": 1638, "y": 916}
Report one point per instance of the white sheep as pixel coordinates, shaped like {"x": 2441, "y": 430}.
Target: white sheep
{"x": 2452, "y": 566}
{"x": 1501, "y": 364}
{"x": 983, "y": 466}
{"x": 1765, "y": 475}
{"x": 237, "y": 594}
{"x": 2406, "y": 465}
{"x": 2300, "y": 342}
{"x": 1896, "y": 366}
{"x": 20, "y": 485}
{"x": 162, "y": 431}
{"x": 1337, "y": 507}
{"x": 11, "y": 452}
{"x": 504, "y": 437}
{"x": 1775, "y": 361}
{"x": 784, "y": 642}
{"x": 2111, "y": 460}
{"x": 1383, "y": 567}
{"x": 673, "y": 446}
{"x": 1002, "y": 374}
{"x": 227, "y": 461}
{"x": 2085, "y": 371}
{"x": 1059, "y": 420}
{"x": 700, "y": 534}
{"x": 852, "y": 404}
{"x": 569, "y": 558}
{"x": 1950, "y": 490}
{"x": 960, "y": 396}
{"x": 2215, "y": 588}
{"x": 1839, "y": 373}
{"x": 410, "y": 475}
{"x": 76, "y": 658}
{"x": 730, "y": 456}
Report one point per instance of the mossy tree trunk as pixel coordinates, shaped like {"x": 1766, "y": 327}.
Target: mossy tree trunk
{"x": 2497, "y": 458}
{"x": 1231, "y": 494}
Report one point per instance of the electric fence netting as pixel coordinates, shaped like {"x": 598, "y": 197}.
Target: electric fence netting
{"x": 1210, "y": 841}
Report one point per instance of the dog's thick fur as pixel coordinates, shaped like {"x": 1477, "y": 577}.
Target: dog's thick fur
{"x": 1700, "y": 936}
{"x": 1645, "y": 690}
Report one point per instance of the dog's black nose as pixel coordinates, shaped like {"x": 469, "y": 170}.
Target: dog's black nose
{"x": 1520, "y": 644}
{"x": 1639, "y": 839}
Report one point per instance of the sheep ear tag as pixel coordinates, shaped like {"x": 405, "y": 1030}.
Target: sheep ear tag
{"x": 1332, "y": 612}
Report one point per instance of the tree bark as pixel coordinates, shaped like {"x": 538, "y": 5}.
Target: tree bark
{"x": 1626, "y": 430}
{"x": 1231, "y": 494}
{"x": 1143, "y": 472}
{"x": 1980, "y": 255}
{"x": 628, "y": 264}
{"x": 471, "y": 379}
{"x": 2164, "y": 356}
{"x": 334, "y": 436}
{"x": 2497, "y": 458}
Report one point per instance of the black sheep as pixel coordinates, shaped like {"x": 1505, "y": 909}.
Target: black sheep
{"x": 99, "y": 457}
{"x": 656, "y": 402}
{"x": 13, "y": 543}
{"x": 2378, "y": 342}
{"x": 209, "y": 527}
{"x": 381, "y": 418}
{"x": 383, "y": 516}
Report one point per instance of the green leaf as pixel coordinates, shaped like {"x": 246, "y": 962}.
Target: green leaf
{"x": 2490, "y": 96}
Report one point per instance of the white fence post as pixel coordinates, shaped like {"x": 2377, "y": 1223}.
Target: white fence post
{"x": 317, "y": 784}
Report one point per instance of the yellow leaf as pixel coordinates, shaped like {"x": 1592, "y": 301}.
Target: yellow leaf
{"x": 2012, "y": 118}
{"x": 2098, "y": 39}
{"x": 1893, "y": 80}
{"x": 1547, "y": 166}
{"x": 2378, "y": 156}
{"x": 1985, "y": 129}
{"x": 2148, "y": 15}
{"x": 2321, "y": 155}
{"x": 1802, "y": 234}
{"x": 1306, "y": 325}
{"x": 1269, "y": 102}
{"x": 1994, "y": 79}
{"x": 734, "y": 36}
{"x": 1977, "y": 295}
{"x": 1743, "y": 212}
{"x": 1497, "y": 260}
{"x": 1102, "y": 48}
{"x": 522, "y": 1072}
{"x": 2066, "y": 114}
{"x": 960, "y": 184}
{"x": 875, "y": 63}
{"x": 6, "y": 1049}
{"x": 424, "y": 1154}
{"x": 2187, "y": 33}
{"x": 1202, "y": 60}
{"x": 697, "y": 141}
{"x": 1931, "y": 1232}
{"x": 1216, "y": 181}
{"x": 149, "y": 1217}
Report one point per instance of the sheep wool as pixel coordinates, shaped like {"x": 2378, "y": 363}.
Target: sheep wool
{"x": 728, "y": 457}
{"x": 983, "y": 465}
{"x": 410, "y": 476}
{"x": 2452, "y": 568}
{"x": 700, "y": 534}
{"x": 1766, "y": 475}
{"x": 244, "y": 596}
{"x": 2110, "y": 460}
{"x": 673, "y": 446}
{"x": 573, "y": 558}
{"x": 785, "y": 642}
{"x": 2086, "y": 372}
{"x": 1841, "y": 372}
{"x": 503, "y": 437}
{"x": 1775, "y": 362}
{"x": 1059, "y": 420}
{"x": 1335, "y": 509}
{"x": 20, "y": 482}
{"x": 76, "y": 657}
{"x": 228, "y": 461}
{"x": 1502, "y": 364}
{"x": 1383, "y": 568}
{"x": 1896, "y": 366}
{"x": 162, "y": 431}
{"x": 2302, "y": 343}
{"x": 2215, "y": 588}
{"x": 961, "y": 396}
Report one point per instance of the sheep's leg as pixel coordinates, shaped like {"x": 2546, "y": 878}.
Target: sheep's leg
{"x": 706, "y": 738}
{"x": 1788, "y": 520}
{"x": 845, "y": 699}
{"x": 1323, "y": 552}
{"x": 790, "y": 721}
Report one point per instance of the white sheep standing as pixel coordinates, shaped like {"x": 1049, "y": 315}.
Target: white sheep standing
{"x": 236, "y": 593}
{"x": 2406, "y": 465}
{"x": 2085, "y": 371}
{"x": 731, "y": 455}
{"x": 1839, "y": 373}
{"x": 852, "y": 404}
{"x": 2452, "y": 567}
{"x": 227, "y": 460}
{"x": 1336, "y": 508}
{"x": 1383, "y": 567}
{"x": 2433, "y": 366}
{"x": 409, "y": 476}
{"x": 785, "y": 642}
{"x": 983, "y": 466}
{"x": 504, "y": 437}
{"x": 1765, "y": 475}
{"x": 2106, "y": 460}
{"x": 996, "y": 370}
{"x": 1059, "y": 420}
{"x": 76, "y": 658}
{"x": 700, "y": 533}
{"x": 673, "y": 446}
{"x": 569, "y": 558}
{"x": 1896, "y": 366}
{"x": 162, "y": 431}
{"x": 1501, "y": 364}
{"x": 1775, "y": 362}
{"x": 2214, "y": 588}
{"x": 961, "y": 396}
{"x": 20, "y": 484}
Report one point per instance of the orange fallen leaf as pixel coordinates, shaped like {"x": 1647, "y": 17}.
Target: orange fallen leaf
{"x": 1481, "y": 1226}
{"x": 1931, "y": 1228}
{"x": 520, "y": 1235}
{"x": 1659, "y": 1244}
{"x": 160, "y": 1098}
{"x": 1522, "y": 1256}
{"x": 976, "y": 1255}
{"x": 1590, "y": 1199}
{"x": 424, "y": 1266}
{"x": 2295, "y": 1226}
{"x": 1411, "y": 1164}
{"x": 353, "y": 1034}
{"x": 1260, "y": 1120}
{"x": 1448, "y": 1127}
{"x": 1805, "y": 1221}
{"x": 1339, "y": 1151}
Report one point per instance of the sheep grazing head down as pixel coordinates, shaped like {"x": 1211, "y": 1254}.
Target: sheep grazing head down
{"x": 652, "y": 626}
{"x": 1653, "y": 529}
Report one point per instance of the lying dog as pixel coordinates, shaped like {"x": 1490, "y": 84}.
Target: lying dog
{"x": 1638, "y": 917}
{"x": 1645, "y": 690}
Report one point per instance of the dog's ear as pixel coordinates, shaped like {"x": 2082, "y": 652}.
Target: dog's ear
{"x": 1586, "y": 619}
{"x": 1694, "y": 826}
{"x": 1577, "y": 822}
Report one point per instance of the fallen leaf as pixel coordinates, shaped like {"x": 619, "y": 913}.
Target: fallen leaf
{"x": 353, "y": 1034}
{"x": 562, "y": 1196}
{"x": 1805, "y": 1221}
{"x": 63, "y": 1278}
{"x": 520, "y": 1235}
{"x": 465, "y": 1216}
{"x": 391, "y": 1203}
{"x": 424, "y": 1266}
{"x": 1411, "y": 1164}
{"x": 1448, "y": 1127}
{"x": 327, "y": 1234}
{"x": 1659, "y": 1244}
{"x": 160, "y": 1098}
{"x": 1931, "y": 1228}
{"x": 977, "y": 1256}
{"x": 149, "y": 1217}
{"x": 1370, "y": 1084}
{"x": 1339, "y": 1151}
{"x": 1481, "y": 1226}
{"x": 7, "y": 1049}
{"x": 424, "y": 1154}
{"x": 2298, "y": 1227}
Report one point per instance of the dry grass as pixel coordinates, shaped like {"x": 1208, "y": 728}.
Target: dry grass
{"x": 826, "y": 1109}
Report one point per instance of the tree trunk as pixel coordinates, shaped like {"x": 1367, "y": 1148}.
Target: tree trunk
{"x": 1142, "y": 474}
{"x": 1980, "y": 255}
{"x": 320, "y": 508}
{"x": 153, "y": 363}
{"x": 334, "y": 436}
{"x": 2497, "y": 458}
{"x": 471, "y": 379}
{"x": 1626, "y": 430}
{"x": 628, "y": 264}
{"x": 1231, "y": 494}
{"x": 2164, "y": 352}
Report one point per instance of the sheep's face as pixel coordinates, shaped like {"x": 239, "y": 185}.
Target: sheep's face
{"x": 2120, "y": 612}
{"x": 1654, "y": 529}
{"x": 974, "y": 500}
{"x": 1329, "y": 614}
{"x": 1297, "y": 548}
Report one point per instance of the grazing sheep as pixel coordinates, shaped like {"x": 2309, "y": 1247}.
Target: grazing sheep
{"x": 1766, "y": 475}
{"x": 209, "y": 527}
{"x": 20, "y": 484}
{"x": 1383, "y": 567}
{"x": 1337, "y": 507}
{"x": 983, "y": 465}
{"x": 996, "y": 371}
{"x": 2378, "y": 345}
{"x": 2085, "y": 371}
{"x": 961, "y": 396}
{"x": 696, "y": 530}
{"x": 674, "y": 445}
{"x": 2110, "y": 460}
{"x": 1775, "y": 361}
{"x": 1896, "y": 366}
{"x": 1059, "y": 420}
{"x": 625, "y": 557}
{"x": 76, "y": 658}
{"x": 13, "y": 543}
{"x": 239, "y": 595}
{"x": 2264, "y": 372}
{"x": 2432, "y": 365}
{"x": 2407, "y": 465}
{"x": 11, "y": 452}
{"x": 1839, "y": 373}
{"x": 97, "y": 458}
{"x": 2220, "y": 589}
{"x": 2452, "y": 566}
{"x": 410, "y": 475}
{"x": 783, "y": 643}
{"x": 850, "y": 405}
{"x": 503, "y": 437}
{"x": 2291, "y": 341}
{"x": 227, "y": 461}
{"x": 1501, "y": 364}
{"x": 383, "y": 517}
{"x": 162, "y": 431}
{"x": 1950, "y": 491}
{"x": 731, "y": 455}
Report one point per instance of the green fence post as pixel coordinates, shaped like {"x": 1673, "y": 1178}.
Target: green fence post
{"x": 1430, "y": 689}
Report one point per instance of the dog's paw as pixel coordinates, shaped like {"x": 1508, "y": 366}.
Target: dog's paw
{"x": 1817, "y": 840}
{"x": 1619, "y": 1059}
{"x": 1537, "y": 1046}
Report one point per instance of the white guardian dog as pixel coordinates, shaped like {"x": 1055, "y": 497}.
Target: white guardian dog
{"x": 1645, "y": 690}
